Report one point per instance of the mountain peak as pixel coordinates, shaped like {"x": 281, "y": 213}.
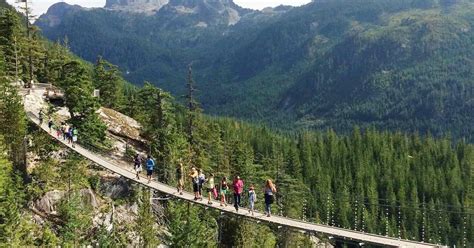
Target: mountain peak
{"x": 153, "y": 6}
{"x": 138, "y": 6}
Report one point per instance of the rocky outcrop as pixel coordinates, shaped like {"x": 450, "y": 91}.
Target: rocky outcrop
{"x": 56, "y": 12}
{"x": 89, "y": 198}
{"x": 115, "y": 187}
{"x": 48, "y": 203}
{"x": 137, "y": 6}
{"x": 120, "y": 124}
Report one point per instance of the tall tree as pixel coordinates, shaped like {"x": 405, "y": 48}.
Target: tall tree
{"x": 107, "y": 79}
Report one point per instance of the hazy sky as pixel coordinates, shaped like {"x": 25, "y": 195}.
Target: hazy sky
{"x": 40, "y": 6}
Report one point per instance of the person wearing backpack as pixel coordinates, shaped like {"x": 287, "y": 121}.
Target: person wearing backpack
{"x": 74, "y": 136}
{"x": 238, "y": 186}
{"x": 179, "y": 177}
{"x": 150, "y": 165}
{"x": 137, "y": 165}
{"x": 252, "y": 199}
{"x": 223, "y": 191}
{"x": 194, "y": 175}
{"x": 50, "y": 125}
{"x": 202, "y": 180}
{"x": 269, "y": 190}
{"x": 210, "y": 188}
{"x": 41, "y": 116}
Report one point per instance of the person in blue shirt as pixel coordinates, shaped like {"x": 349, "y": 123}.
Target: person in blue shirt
{"x": 150, "y": 165}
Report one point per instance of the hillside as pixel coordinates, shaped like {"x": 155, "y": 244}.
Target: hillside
{"x": 390, "y": 64}
{"x": 390, "y": 183}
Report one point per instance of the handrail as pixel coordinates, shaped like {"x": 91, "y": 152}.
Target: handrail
{"x": 282, "y": 221}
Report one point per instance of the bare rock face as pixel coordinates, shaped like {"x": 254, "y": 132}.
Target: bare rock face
{"x": 89, "y": 198}
{"x": 56, "y": 13}
{"x": 120, "y": 124}
{"x": 47, "y": 204}
{"x": 115, "y": 187}
{"x": 137, "y": 6}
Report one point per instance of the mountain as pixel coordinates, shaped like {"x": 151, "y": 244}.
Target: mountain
{"x": 390, "y": 183}
{"x": 404, "y": 64}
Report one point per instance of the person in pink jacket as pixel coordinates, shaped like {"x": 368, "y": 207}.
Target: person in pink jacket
{"x": 238, "y": 186}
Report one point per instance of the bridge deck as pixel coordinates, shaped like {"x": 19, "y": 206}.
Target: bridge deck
{"x": 278, "y": 220}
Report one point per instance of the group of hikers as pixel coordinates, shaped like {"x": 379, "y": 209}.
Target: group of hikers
{"x": 197, "y": 177}
{"x": 214, "y": 191}
{"x": 68, "y": 132}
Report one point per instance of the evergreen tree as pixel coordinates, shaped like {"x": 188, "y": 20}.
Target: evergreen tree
{"x": 146, "y": 220}
{"x": 107, "y": 79}
{"x": 12, "y": 122}
{"x": 12, "y": 228}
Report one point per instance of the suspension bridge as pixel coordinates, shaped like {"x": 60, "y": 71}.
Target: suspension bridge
{"x": 307, "y": 227}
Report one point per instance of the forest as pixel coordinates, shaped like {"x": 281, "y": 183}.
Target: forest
{"x": 393, "y": 64}
{"x": 406, "y": 185}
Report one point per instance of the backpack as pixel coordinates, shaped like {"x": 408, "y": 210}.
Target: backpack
{"x": 202, "y": 179}
{"x": 214, "y": 193}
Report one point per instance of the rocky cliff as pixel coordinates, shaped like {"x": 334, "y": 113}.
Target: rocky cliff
{"x": 137, "y": 6}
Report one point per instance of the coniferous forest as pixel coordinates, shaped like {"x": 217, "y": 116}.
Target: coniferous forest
{"x": 402, "y": 184}
{"x": 393, "y": 64}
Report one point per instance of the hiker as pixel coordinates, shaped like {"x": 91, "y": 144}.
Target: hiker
{"x": 179, "y": 177}
{"x": 202, "y": 180}
{"x": 58, "y": 131}
{"x": 65, "y": 131}
{"x": 150, "y": 165}
{"x": 194, "y": 175}
{"x": 210, "y": 188}
{"x": 74, "y": 133}
{"x": 50, "y": 125}
{"x": 41, "y": 115}
{"x": 269, "y": 197}
{"x": 252, "y": 199}
{"x": 238, "y": 186}
{"x": 137, "y": 165}
{"x": 69, "y": 135}
{"x": 223, "y": 191}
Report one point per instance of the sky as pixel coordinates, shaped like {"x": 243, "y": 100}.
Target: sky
{"x": 41, "y": 6}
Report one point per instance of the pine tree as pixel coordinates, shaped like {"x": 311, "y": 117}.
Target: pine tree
{"x": 11, "y": 203}
{"x": 108, "y": 81}
{"x": 82, "y": 106}
{"x": 146, "y": 221}
{"x": 12, "y": 122}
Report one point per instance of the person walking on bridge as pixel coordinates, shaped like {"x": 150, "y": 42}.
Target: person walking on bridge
{"x": 65, "y": 131}
{"x": 223, "y": 191}
{"x": 252, "y": 199}
{"x": 50, "y": 124}
{"x": 210, "y": 188}
{"x": 238, "y": 186}
{"x": 150, "y": 165}
{"x": 194, "y": 175}
{"x": 74, "y": 134}
{"x": 137, "y": 164}
{"x": 41, "y": 116}
{"x": 202, "y": 180}
{"x": 179, "y": 177}
{"x": 269, "y": 191}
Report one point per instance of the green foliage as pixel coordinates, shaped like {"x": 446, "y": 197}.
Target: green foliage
{"x": 77, "y": 217}
{"x": 12, "y": 120}
{"x": 239, "y": 232}
{"x": 107, "y": 79}
{"x": 146, "y": 226}
{"x": 398, "y": 65}
{"x": 191, "y": 226}
{"x": 12, "y": 228}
